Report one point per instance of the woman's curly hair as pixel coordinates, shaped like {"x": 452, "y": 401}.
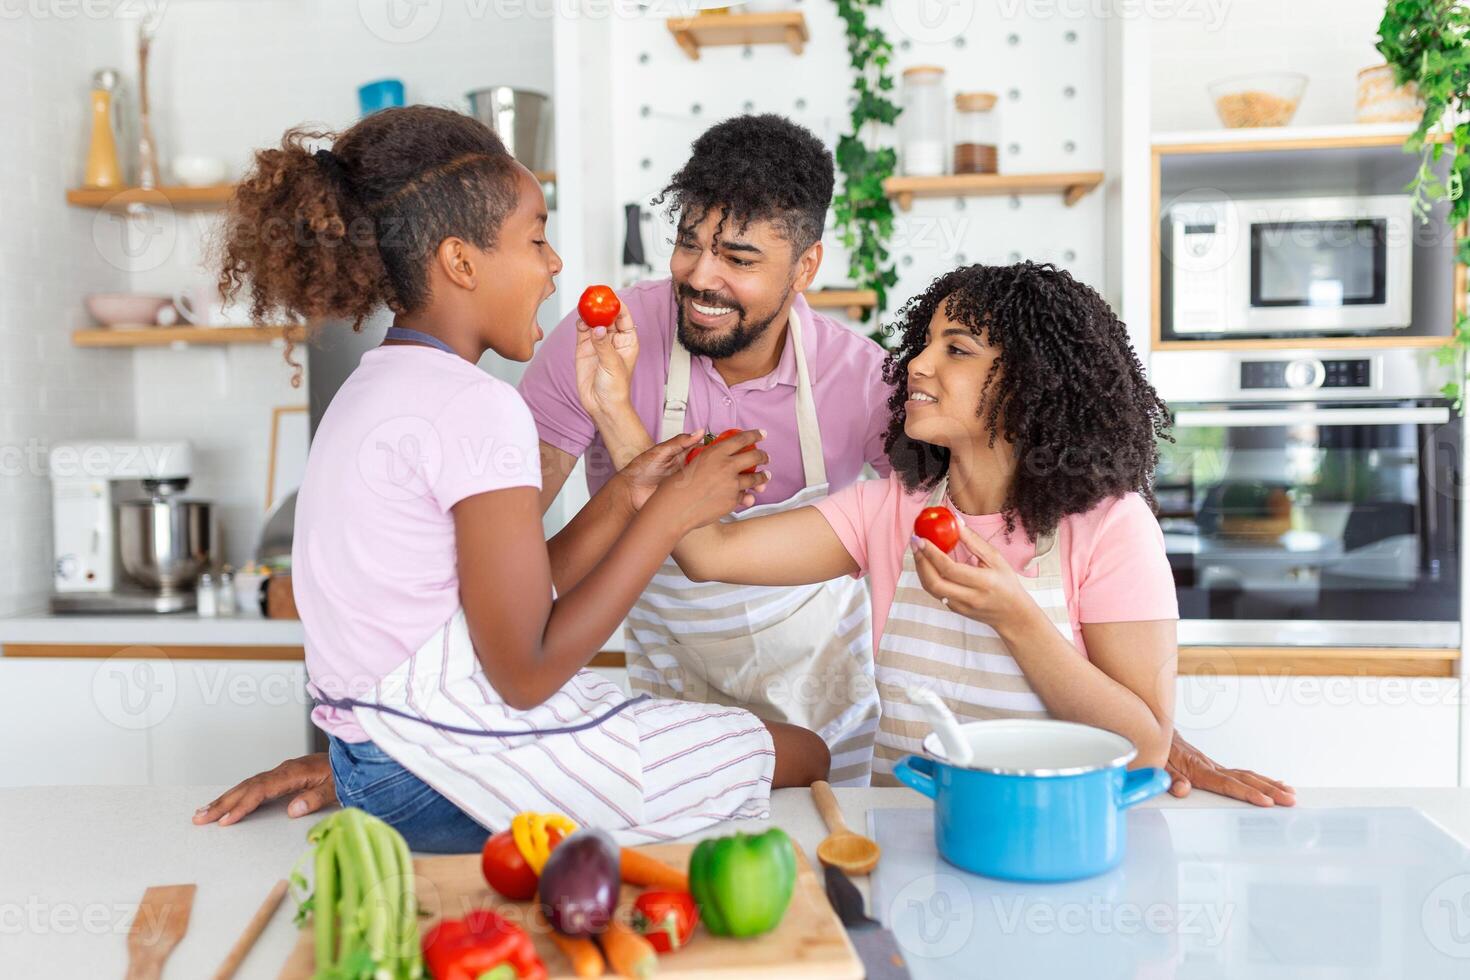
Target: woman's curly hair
{"x": 1066, "y": 391}
{"x": 338, "y": 234}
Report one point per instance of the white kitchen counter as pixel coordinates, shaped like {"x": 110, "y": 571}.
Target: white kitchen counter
{"x": 176, "y": 629}
{"x": 75, "y": 861}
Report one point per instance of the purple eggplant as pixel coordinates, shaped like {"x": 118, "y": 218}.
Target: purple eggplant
{"x": 580, "y": 883}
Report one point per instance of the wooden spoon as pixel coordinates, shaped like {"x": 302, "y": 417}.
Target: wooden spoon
{"x": 849, "y": 852}
{"x": 160, "y": 922}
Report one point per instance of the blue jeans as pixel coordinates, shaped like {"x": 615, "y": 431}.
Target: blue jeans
{"x": 369, "y": 779}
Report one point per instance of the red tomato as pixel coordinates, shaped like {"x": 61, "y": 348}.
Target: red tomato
{"x": 938, "y": 524}
{"x": 505, "y": 868}
{"x": 709, "y": 440}
{"x": 666, "y": 919}
{"x": 598, "y": 306}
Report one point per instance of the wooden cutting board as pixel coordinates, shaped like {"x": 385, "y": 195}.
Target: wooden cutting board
{"x": 810, "y": 941}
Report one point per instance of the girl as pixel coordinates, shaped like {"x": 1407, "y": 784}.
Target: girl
{"x": 420, "y": 571}
{"x": 1018, "y": 403}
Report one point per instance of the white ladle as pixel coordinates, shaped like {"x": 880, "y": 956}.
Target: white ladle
{"x": 956, "y": 747}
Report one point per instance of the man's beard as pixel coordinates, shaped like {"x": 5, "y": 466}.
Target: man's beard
{"x": 716, "y": 348}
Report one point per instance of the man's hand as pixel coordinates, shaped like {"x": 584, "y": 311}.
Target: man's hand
{"x": 1191, "y": 768}
{"x": 309, "y": 777}
{"x": 605, "y": 359}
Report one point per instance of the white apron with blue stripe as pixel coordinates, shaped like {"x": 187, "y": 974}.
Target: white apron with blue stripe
{"x": 926, "y": 644}
{"x": 796, "y": 654}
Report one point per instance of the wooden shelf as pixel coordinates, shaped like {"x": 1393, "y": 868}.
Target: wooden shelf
{"x": 1318, "y": 661}
{"x": 715, "y": 30}
{"x": 1275, "y": 139}
{"x": 1313, "y": 343}
{"x": 1072, "y": 186}
{"x": 182, "y": 198}
{"x": 853, "y": 302}
{"x": 165, "y": 336}
{"x": 177, "y": 198}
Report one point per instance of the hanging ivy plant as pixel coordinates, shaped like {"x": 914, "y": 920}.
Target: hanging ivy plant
{"x": 864, "y": 215}
{"x": 1428, "y": 43}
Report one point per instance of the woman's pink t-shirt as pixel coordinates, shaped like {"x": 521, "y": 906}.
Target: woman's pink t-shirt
{"x": 1114, "y": 569}
{"x": 410, "y": 433}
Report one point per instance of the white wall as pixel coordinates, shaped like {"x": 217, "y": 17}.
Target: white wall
{"x": 1327, "y": 40}
{"x": 51, "y": 256}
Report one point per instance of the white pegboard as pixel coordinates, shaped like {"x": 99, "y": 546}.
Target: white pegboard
{"x": 1047, "y": 70}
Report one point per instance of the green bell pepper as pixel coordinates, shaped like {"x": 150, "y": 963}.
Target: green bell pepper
{"x": 743, "y": 883}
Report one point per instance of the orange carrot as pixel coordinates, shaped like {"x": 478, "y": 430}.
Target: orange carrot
{"x": 629, "y": 954}
{"x": 649, "y": 872}
{"x": 585, "y": 957}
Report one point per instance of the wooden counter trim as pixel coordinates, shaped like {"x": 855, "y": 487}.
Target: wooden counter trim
{"x": 1318, "y": 661}
{"x": 153, "y": 651}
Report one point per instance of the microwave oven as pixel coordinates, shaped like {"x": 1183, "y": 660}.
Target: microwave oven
{"x": 1291, "y": 265}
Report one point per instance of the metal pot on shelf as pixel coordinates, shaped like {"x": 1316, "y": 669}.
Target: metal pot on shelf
{"x": 522, "y": 120}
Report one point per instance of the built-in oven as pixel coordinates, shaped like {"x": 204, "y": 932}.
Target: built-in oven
{"x": 1294, "y": 265}
{"x": 1311, "y": 498}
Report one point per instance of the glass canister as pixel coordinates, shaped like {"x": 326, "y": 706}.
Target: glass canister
{"x": 923, "y": 126}
{"x": 976, "y": 133}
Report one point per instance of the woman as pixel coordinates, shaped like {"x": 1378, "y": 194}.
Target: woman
{"x": 1017, "y": 402}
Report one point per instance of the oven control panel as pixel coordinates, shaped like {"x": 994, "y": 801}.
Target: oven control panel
{"x": 1298, "y": 375}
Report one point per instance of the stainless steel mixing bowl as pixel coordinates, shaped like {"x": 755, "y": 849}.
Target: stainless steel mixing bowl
{"x": 165, "y": 542}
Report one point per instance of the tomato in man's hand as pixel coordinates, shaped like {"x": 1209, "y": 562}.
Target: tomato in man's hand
{"x": 938, "y": 525}
{"x": 710, "y": 440}
{"x": 599, "y": 306}
{"x": 505, "y": 868}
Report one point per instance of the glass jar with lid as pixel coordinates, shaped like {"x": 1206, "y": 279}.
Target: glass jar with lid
{"x": 976, "y": 133}
{"x": 924, "y": 124}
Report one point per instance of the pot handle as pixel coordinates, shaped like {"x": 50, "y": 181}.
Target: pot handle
{"x": 1142, "y": 784}
{"x": 917, "y": 773}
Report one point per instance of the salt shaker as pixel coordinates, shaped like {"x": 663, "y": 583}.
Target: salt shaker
{"x": 206, "y": 599}
{"x": 226, "y": 592}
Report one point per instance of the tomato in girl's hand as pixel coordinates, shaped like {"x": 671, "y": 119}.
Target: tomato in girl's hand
{"x": 598, "y": 306}
{"x": 710, "y": 440}
{"x": 938, "y": 525}
{"x": 505, "y": 868}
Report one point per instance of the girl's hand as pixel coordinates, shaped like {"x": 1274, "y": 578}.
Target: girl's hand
{"x": 713, "y": 485}
{"x": 605, "y": 359}
{"x": 644, "y": 474}
{"x": 989, "y": 590}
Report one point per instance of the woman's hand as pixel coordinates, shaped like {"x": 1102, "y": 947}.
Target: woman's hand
{"x": 713, "y": 485}
{"x": 643, "y": 476}
{"x": 309, "y": 777}
{"x": 988, "y": 590}
{"x": 605, "y": 359}
{"x": 1192, "y": 769}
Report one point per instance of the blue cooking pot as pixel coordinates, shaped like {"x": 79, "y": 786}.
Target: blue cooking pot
{"x": 1040, "y": 800}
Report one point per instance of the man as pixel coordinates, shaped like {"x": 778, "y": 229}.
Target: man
{"x": 728, "y": 341}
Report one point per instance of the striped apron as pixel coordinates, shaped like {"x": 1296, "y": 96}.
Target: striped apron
{"x": 799, "y": 654}
{"x": 646, "y": 770}
{"x": 925, "y": 644}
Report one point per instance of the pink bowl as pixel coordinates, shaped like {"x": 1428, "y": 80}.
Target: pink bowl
{"x": 125, "y": 309}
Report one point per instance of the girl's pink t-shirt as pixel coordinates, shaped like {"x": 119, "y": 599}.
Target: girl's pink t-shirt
{"x": 411, "y": 432}
{"x": 1114, "y": 568}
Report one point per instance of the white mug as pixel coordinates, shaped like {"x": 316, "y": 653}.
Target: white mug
{"x": 202, "y": 306}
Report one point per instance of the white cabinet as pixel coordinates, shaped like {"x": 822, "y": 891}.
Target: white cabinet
{"x": 1327, "y": 731}
{"x": 148, "y": 721}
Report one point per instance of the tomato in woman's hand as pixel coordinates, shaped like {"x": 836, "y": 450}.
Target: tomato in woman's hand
{"x": 505, "y": 868}
{"x": 938, "y": 525}
{"x": 598, "y": 306}
{"x": 709, "y": 440}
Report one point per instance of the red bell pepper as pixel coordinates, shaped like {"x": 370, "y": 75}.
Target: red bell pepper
{"x": 666, "y": 918}
{"x": 481, "y": 946}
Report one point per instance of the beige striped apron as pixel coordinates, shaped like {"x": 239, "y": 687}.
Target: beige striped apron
{"x": 926, "y": 644}
{"x": 799, "y": 654}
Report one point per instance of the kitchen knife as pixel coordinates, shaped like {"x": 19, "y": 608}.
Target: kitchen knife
{"x": 876, "y": 946}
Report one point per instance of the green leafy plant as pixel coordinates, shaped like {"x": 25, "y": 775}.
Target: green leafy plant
{"x": 1427, "y": 42}
{"x": 863, "y": 211}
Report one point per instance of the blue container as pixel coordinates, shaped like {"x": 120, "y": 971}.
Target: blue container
{"x": 1041, "y": 800}
{"x": 385, "y": 93}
